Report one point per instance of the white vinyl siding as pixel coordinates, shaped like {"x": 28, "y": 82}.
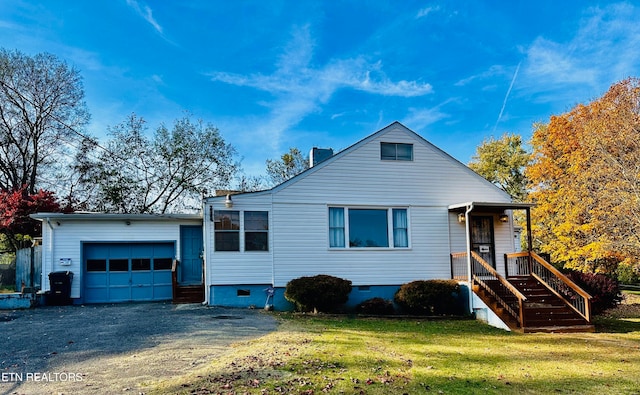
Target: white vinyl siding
{"x": 299, "y": 251}
{"x": 301, "y": 227}
{"x": 239, "y": 267}
{"x": 66, "y": 238}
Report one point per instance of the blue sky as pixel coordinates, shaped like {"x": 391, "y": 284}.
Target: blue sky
{"x": 278, "y": 74}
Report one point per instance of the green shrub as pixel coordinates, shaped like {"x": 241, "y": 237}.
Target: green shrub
{"x": 437, "y": 297}
{"x": 628, "y": 273}
{"x": 604, "y": 290}
{"x": 376, "y": 306}
{"x": 321, "y": 293}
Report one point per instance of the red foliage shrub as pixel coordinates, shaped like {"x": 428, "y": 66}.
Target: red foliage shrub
{"x": 605, "y": 291}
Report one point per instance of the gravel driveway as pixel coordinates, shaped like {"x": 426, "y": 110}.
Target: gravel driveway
{"x": 108, "y": 349}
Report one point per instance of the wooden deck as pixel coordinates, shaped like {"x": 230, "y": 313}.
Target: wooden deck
{"x": 535, "y": 298}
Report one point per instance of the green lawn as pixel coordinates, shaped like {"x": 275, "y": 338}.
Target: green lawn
{"x": 314, "y": 355}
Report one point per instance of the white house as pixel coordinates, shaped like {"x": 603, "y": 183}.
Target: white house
{"x": 383, "y": 212}
{"x": 390, "y": 209}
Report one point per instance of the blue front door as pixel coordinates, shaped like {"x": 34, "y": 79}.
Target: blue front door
{"x": 191, "y": 255}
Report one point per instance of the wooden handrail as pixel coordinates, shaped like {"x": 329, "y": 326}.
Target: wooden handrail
{"x": 554, "y": 280}
{"x": 586, "y": 314}
{"x": 174, "y": 279}
{"x": 561, "y": 276}
{"x": 506, "y": 287}
{"x": 518, "y": 254}
{"x": 497, "y": 275}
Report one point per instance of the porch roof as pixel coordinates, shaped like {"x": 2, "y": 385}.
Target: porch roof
{"x": 489, "y": 206}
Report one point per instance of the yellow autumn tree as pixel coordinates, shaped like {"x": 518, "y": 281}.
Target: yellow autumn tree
{"x": 585, "y": 179}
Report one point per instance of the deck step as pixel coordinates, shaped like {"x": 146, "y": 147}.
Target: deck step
{"x": 543, "y": 311}
{"x": 188, "y": 294}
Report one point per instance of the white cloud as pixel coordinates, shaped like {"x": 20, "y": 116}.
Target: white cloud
{"x": 426, "y": 11}
{"x": 158, "y": 79}
{"x": 300, "y": 88}
{"x": 146, "y": 13}
{"x": 420, "y": 118}
{"x": 603, "y": 50}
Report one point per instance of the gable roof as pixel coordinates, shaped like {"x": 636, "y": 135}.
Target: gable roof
{"x": 393, "y": 126}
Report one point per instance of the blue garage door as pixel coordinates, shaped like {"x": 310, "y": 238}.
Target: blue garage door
{"x": 123, "y": 272}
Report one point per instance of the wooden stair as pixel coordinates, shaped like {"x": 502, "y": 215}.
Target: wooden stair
{"x": 188, "y": 294}
{"x": 543, "y": 311}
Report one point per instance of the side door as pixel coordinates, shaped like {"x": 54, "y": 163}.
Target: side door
{"x": 482, "y": 238}
{"x": 191, "y": 244}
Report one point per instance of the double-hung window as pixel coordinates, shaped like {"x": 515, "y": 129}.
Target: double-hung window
{"x": 226, "y": 225}
{"x": 336, "y": 227}
{"x": 368, "y": 228}
{"x": 256, "y": 231}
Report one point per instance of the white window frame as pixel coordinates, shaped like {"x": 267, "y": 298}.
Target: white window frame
{"x": 390, "y": 228}
{"x": 396, "y": 157}
{"x": 242, "y": 231}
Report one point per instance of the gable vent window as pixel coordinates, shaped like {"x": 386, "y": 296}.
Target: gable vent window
{"x": 396, "y": 151}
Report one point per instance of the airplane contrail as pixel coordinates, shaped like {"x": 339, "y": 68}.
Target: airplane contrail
{"x": 506, "y": 97}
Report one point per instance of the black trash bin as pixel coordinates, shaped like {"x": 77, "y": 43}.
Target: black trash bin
{"x": 60, "y": 288}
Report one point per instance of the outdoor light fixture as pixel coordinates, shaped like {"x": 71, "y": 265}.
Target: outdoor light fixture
{"x": 503, "y": 218}
{"x": 461, "y": 217}
{"x": 228, "y": 203}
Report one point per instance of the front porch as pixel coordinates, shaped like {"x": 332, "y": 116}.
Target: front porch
{"x": 530, "y": 295}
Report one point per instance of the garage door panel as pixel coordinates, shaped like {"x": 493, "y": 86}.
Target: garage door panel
{"x": 122, "y": 272}
{"x": 142, "y": 292}
{"x": 141, "y": 280}
{"x": 162, "y": 277}
{"x": 122, "y": 279}
{"x": 95, "y": 279}
{"x": 162, "y": 292}
{"x": 119, "y": 294}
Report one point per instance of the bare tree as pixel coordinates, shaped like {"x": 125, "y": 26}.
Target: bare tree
{"x": 41, "y": 110}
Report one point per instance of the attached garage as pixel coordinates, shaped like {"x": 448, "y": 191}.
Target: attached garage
{"x": 121, "y": 257}
{"x": 123, "y": 272}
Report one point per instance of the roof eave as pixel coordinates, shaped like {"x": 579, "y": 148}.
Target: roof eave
{"x": 115, "y": 217}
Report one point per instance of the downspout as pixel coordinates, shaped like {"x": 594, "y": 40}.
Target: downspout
{"x": 205, "y": 272}
{"x": 467, "y": 222}
{"x": 272, "y": 243}
{"x": 44, "y": 284}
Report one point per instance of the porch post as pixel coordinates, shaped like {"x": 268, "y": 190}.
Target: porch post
{"x": 529, "y": 237}
{"x": 467, "y": 222}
